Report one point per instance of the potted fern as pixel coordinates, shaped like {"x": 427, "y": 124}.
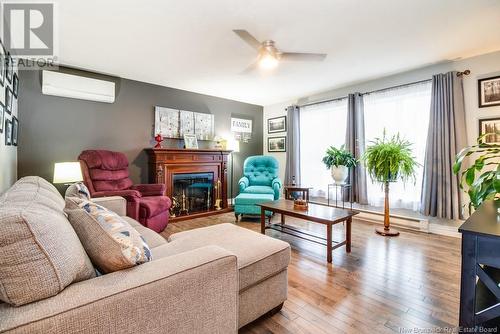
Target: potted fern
{"x": 389, "y": 160}
{"x": 339, "y": 160}
{"x": 482, "y": 178}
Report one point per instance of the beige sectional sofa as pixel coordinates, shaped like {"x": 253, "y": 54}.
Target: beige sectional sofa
{"x": 208, "y": 280}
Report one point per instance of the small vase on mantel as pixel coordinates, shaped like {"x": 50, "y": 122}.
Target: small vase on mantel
{"x": 339, "y": 174}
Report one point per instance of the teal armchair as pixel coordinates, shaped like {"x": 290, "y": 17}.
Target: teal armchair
{"x": 260, "y": 183}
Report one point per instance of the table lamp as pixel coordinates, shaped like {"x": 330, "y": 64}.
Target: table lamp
{"x": 67, "y": 172}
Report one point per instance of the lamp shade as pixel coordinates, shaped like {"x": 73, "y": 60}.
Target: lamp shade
{"x": 67, "y": 172}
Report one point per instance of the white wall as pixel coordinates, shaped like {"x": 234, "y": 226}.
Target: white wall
{"x": 8, "y": 154}
{"x": 482, "y": 66}
{"x": 272, "y": 111}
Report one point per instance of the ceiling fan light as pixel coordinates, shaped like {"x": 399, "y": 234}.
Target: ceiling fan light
{"x": 268, "y": 61}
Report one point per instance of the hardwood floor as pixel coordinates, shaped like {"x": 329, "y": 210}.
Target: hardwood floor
{"x": 385, "y": 285}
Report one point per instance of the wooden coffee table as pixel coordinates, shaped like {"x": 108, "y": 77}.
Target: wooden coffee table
{"x": 316, "y": 213}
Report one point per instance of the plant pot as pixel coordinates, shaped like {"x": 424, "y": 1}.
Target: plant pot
{"x": 339, "y": 174}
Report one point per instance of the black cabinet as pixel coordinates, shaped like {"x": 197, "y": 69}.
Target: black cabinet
{"x": 480, "y": 282}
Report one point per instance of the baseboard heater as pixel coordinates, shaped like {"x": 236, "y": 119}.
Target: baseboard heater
{"x": 400, "y": 221}
{"x": 77, "y": 87}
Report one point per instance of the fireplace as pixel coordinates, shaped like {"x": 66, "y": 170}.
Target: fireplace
{"x": 196, "y": 180}
{"x": 192, "y": 193}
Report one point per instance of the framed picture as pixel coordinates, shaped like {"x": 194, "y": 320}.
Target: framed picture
{"x": 190, "y": 141}
{"x": 8, "y": 100}
{"x": 15, "y": 130}
{"x": 166, "y": 122}
{"x": 489, "y": 92}
{"x": 276, "y": 144}
{"x": 490, "y": 125}
{"x": 8, "y": 132}
{"x": 15, "y": 85}
{"x": 186, "y": 121}
{"x": 277, "y": 124}
{"x": 10, "y": 67}
{"x": 2, "y": 117}
{"x": 204, "y": 126}
{"x": 2, "y": 64}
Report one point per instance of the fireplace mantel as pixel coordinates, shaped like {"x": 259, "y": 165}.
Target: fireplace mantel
{"x": 164, "y": 163}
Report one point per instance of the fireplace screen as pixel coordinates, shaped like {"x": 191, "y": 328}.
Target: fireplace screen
{"x": 192, "y": 193}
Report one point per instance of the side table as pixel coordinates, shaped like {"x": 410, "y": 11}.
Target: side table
{"x": 343, "y": 187}
{"x": 289, "y": 189}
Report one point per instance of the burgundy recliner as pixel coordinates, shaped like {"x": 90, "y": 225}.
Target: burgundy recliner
{"x": 105, "y": 173}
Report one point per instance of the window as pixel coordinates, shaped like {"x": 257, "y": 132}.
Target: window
{"x": 404, "y": 110}
{"x": 321, "y": 126}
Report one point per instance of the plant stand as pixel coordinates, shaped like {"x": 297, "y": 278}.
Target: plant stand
{"x": 386, "y": 230}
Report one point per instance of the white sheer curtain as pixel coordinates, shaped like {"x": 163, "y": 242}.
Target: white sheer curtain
{"x": 321, "y": 126}
{"x": 404, "y": 110}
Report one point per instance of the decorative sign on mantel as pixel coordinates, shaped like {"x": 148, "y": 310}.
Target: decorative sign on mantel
{"x": 241, "y": 125}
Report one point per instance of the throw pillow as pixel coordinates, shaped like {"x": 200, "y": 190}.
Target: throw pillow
{"x": 111, "y": 242}
{"x": 79, "y": 190}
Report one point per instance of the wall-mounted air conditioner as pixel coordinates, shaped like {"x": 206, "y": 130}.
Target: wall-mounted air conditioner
{"x": 76, "y": 87}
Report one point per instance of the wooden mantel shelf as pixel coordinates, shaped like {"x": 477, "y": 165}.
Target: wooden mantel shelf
{"x": 187, "y": 150}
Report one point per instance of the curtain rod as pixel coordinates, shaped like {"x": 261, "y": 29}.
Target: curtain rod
{"x": 397, "y": 86}
{"x": 322, "y": 101}
{"x": 459, "y": 74}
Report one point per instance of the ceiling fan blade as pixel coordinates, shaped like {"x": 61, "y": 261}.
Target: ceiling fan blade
{"x": 245, "y": 35}
{"x": 252, "y": 67}
{"x": 297, "y": 56}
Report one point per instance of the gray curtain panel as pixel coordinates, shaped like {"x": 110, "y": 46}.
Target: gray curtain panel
{"x": 441, "y": 195}
{"x": 355, "y": 143}
{"x": 292, "y": 167}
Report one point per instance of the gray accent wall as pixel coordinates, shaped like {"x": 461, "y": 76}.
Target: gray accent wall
{"x": 55, "y": 129}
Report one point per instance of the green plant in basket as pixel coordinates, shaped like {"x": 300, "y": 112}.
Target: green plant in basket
{"x": 482, "y": 178}
{"x": 388, "y": 160}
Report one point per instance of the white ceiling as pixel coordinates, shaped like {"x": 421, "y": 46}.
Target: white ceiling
{"x": 189, "y": 44}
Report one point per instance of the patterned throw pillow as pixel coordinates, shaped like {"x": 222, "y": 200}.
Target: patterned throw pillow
{"x": 79, "y": 190}
{"x": 111, "y": 242}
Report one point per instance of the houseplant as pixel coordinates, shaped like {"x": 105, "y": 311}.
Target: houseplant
{"x": 388, "y": 160}
{"x": 339, "y": 160}
{"x": 486, "y": 185}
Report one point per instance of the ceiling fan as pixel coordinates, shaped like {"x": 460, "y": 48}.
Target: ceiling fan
{"x": 269, "y": 56}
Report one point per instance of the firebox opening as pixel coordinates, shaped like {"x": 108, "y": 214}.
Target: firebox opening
{"x": 192, "y": 193}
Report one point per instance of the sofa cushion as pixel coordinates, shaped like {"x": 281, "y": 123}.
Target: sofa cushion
{"x": 259, "y": 190}
{"x": 154, "y": 205}
{"x": 35, "y": 190}
{"x": 259, "y": 256}
{"x": 252, "y": 199}
{"x": 152, "y": 238}
{"x": 40, "y": 253}
{"x": 110, "y": 241}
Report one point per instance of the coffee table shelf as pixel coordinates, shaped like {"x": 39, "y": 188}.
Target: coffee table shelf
{"x": 304, "y": 234}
